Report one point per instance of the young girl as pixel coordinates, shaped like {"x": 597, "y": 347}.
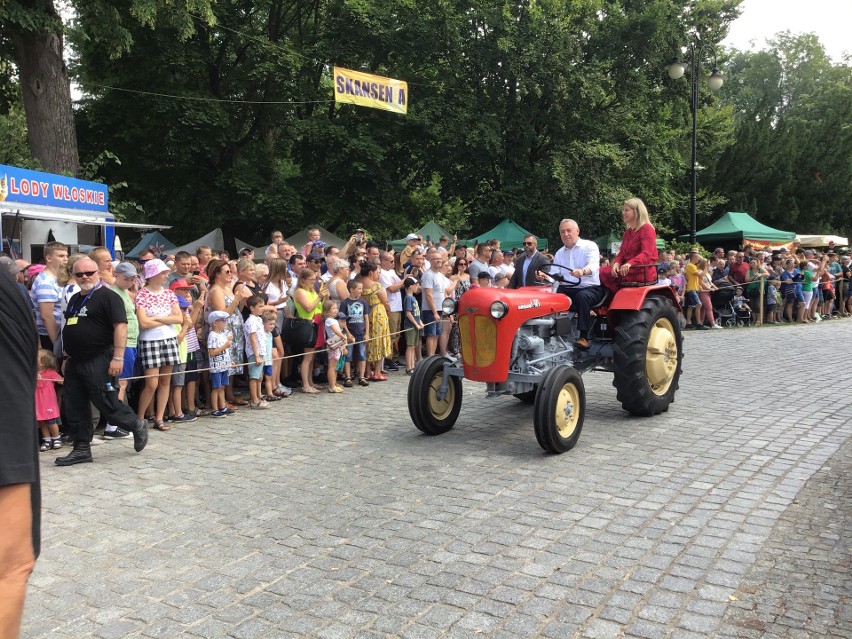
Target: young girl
{"x": 333, "y": 335}
{"x": 47, "y": 408}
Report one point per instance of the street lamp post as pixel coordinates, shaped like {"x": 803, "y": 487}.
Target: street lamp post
{"x": 675, "y": 71}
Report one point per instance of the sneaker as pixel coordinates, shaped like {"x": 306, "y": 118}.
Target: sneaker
{"x": 363, "y": 381}
{"x": 218, "y": 413}
{"x": 285, "y": 391}
{"x": 703, "y": 327}
{"x": 228, "y": 411}
{"x": 715, "y": 326}
{"x": 118, "y": 433}
{"x": 390, "y": 366}
{"x": 184, "y": 419}
{"x": 688, "y": 327}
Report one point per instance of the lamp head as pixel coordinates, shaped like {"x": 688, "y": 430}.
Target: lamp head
{"x": 716, "y": 80}
{"x": 676, "y": 69}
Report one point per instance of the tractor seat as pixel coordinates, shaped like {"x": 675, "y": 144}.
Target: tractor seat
{"x": 607, "y": 298}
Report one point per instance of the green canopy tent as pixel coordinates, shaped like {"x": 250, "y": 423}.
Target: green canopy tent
{"x": 510, "y": 234}
{"x": 154, "y": 240}
{"x": 605, "y": 242}
{"x": 430, "y": 231}
{"x": 735, "y": 228}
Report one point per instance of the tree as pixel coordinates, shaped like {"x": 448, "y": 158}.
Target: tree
{"x": 32, "y": 30}
{"x": 790, "y": 163}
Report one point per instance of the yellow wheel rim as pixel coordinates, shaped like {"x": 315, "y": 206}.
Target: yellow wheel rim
{"x": 661, "y": 356}
{"x": 440, "y": 409}
{"x": 567, "y": 410}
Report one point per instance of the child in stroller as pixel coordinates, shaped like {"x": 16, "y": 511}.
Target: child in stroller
{"x": 742, "y": 310}
{"x": 723, "y": 309}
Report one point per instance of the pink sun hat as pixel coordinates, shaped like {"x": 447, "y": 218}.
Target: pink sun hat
{"x": 153, "y": 268}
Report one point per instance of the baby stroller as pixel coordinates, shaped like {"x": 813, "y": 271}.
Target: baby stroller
{"x": 743, "y": 316}
{"x": 723, "y": 307}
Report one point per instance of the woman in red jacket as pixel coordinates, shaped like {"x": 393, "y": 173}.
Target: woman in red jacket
{"x": 638, "y": 249}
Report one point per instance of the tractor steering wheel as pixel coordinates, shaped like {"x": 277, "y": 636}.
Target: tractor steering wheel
{"x": 565, "y": 279}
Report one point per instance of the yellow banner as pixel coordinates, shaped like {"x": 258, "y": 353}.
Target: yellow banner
{"x": 369, "y": 90}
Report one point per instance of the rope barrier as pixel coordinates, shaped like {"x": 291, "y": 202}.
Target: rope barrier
{"x": 276, "y": 359}
{"x": 399, "y": 332}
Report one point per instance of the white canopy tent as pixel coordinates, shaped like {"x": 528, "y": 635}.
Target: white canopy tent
{"x": 816, "y": 241}
{"x": 301, "y": 238}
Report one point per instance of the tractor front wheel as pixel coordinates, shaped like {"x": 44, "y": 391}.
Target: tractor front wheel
{"x": 647, "y": 357}
{"x": 432, "y": 414}
{"x": 560, "y": 406}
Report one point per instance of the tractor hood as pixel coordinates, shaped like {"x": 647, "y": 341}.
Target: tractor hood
{"x": 486, "y": 340}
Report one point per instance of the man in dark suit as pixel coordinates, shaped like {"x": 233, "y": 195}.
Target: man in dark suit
{"x": 527, "y": 264}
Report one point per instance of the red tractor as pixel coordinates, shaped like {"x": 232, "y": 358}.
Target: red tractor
{"x": 521, "y": 342}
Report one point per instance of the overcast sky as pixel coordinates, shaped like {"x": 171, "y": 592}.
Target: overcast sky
{"x": 830, "y": 20}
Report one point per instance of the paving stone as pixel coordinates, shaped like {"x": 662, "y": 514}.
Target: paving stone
{"x": 696, "y": 522}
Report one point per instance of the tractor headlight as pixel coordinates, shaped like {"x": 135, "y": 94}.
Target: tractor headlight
{"x": 499, "y": 309}
{"x": 448, "y": 307}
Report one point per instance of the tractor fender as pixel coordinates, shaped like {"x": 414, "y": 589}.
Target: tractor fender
{"x": 633, "y": 298}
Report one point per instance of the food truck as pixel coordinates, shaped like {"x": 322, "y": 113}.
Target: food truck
{"x": 38, "y": 207}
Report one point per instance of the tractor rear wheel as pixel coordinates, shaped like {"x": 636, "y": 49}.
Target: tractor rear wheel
{"x": 430, "y": 414}
{"x": 647, "y": 357}
{"x": 560, "y": 406}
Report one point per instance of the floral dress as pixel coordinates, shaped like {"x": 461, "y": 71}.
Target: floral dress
{"x": 454, "y": 342}
{"x": 379, "y": 345}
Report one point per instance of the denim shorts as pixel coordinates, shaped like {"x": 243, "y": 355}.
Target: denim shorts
{"x": 255, "y": 371}
{"x": 178, "y": 373}
{"x": 435, "y": 328}
{"x": 357, "y": 352}
{"x": 692, "y": 299}
{"x": 219, "y": 380}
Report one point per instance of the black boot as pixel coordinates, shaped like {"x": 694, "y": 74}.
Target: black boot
{"x": 81, "y": 453}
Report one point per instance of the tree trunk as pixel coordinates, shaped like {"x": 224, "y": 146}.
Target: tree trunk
{"x": 47, "y": 94}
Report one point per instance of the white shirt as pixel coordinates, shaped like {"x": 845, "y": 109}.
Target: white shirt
{"x": 390, "y": 278}
{"x": 438, "y": 283}
{"x": 584, "y": 254}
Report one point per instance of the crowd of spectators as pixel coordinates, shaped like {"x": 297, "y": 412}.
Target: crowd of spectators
{"x": 750, "y": 287}
{"x": 208, "y": 335}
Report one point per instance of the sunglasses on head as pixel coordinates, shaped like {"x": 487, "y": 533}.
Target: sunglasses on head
{"x": 84, "y": 273}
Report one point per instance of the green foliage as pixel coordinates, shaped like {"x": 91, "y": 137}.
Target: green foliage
{"x": 789, "y": 165}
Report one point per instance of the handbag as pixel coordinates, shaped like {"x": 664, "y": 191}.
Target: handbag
{"x": 335, "y": 342}
{"x": 299, "y": 333}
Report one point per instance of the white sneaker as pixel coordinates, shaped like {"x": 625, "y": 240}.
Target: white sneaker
{"x": 817, "y": 318}
{"x": 714, "y": 325}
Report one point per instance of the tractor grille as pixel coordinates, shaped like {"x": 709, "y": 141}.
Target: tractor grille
{"x": 478, "y": 345}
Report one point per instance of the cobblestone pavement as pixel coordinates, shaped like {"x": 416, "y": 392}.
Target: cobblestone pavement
{"x": 331, "y": 516}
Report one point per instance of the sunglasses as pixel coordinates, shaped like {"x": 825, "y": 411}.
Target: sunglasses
{"x": 462, "y": 263}
{"x": 85, "y": 274}
{"x": 529, "y": 243}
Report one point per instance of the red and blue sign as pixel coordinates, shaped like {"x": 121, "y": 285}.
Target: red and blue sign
{"x": 22, "y": 186}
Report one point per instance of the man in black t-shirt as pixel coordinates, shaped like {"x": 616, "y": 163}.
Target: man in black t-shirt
{"x": 94, "y": 338}
{"x": 20, "y": 497}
